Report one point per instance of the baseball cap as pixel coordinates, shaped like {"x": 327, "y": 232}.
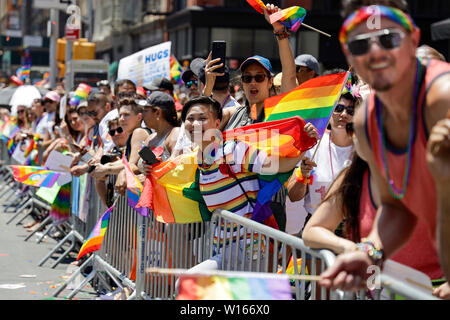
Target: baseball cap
{"x": 307, "y": 60}
{"x": 82, "y": 104}
{"x": 160, "y": 83}
{"x": 198, "y": 68}
{"x": 53, "y": 96}
{"x": 161, "y": 100}
{"x": 187, "y": 75}
{"x": 264, "y": 62}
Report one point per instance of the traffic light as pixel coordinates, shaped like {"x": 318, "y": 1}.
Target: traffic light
{"x": 82, "y": 50}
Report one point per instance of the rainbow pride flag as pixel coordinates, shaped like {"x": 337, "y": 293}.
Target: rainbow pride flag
{"x": 234, "y": 288}
{"x": 173, "y": 192}
{"x": 35, "y": 176}
{"x": 134, "y": 189}
{"x": 175, "y": 70}
{"x": 44, "y": 81}
{"x": 23, "y": 72}
{"x": 292, "y": 17}
{"x": 95, "y": 239}
{"x": 313, "y": 101}
{"x": 60, "y": 208}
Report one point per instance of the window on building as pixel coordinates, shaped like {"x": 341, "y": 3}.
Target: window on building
{"x": 180, "y": 4}
{"x": 201, "y": 42}
{"x": 239, "y": 41}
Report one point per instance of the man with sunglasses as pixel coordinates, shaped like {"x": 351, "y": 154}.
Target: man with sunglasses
{"x": 410, "y": 97}
{"x": 191, "y": 83}
{"x": 306, "y": 67}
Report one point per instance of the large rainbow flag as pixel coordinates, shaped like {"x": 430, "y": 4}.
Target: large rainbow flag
{"x": 134, "y": 189}
{"x": 35, "y": 176}
{"x": 173, "y": 192}
{"x": 292, "y": 17}
{"x": 95, "y": 239}
{"x": 314, "y": 101}
{"x": 218, "y": 287}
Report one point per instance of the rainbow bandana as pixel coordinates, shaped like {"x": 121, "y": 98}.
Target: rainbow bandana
{"x": 365, "y": 13}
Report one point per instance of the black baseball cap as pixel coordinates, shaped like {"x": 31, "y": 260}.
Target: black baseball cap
{"x": 160, "y": 83}
{"x": 161, "y": 100}
{"x": 198, "y": 68}
{"x": 187, "y": 75}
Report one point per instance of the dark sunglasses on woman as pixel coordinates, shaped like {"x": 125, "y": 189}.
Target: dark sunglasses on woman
{"x": 190, "y": 83}
{"x": 246, "y": 78}
{"x": 340, "y": 108}
{"x": 387, "y": 39}
{"x": 112, "y": 132}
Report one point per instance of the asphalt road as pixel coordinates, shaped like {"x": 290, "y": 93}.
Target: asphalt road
{"x": 20, "y": 276}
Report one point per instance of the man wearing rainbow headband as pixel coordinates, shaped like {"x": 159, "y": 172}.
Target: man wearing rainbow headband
{"x": 410, "y": 96}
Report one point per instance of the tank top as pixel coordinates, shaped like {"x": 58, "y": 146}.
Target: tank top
{"x": 420, "y": 197}
{"x": 419, "y": 253}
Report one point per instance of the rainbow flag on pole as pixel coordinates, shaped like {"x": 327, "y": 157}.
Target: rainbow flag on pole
{"x": 134, "y": 189}
{"x": 175, "y": 70}
{"x": 292, "y": 17}
{"x": 314, "y": 101}
{"x": 239, "y": 287}
{"x": 23, "y": 72}
{"x": 95, "y": 239}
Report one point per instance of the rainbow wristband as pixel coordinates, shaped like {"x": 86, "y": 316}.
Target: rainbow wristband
{"x": 375, "y": 254}
{"x": 300, "y": 179}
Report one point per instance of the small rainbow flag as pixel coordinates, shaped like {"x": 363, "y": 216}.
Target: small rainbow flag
{"x": 292, "y": 17}
{"x": 35, "y": 176}
{"x": 134, "y": 189}
{"x": 314, "y": 101}
{"x": 218, "y": 287}
{"x": 60, "y": 209}
{"x": 11, "y": 146}
{"x": 45, "y": 80}
{"x": 23, "y": 72}
{"x": 175, "y": 70}
{"x": 95, "y": 239}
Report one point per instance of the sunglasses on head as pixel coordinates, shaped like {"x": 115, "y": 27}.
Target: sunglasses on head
{"x": 340, "y": 108}
{"x": 112, "y": 132}
{"x": 190, "y": 83}
{"x": 387, "y": 39}
{"x": 246, "y": 78}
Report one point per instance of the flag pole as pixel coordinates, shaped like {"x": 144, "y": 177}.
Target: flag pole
{"x": 316, "y": 30}
{"x": 329, "y": 119}
{"x": 183, "y": 272}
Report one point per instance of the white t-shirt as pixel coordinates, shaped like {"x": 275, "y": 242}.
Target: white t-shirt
{"x": 328, "y": 168}
{"x": 40, "y": 126}
{"x": 108, "y": 144}
{"x": 49, "y": 122}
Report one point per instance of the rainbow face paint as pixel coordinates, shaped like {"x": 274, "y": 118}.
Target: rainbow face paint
{"x": 366, "y": 13}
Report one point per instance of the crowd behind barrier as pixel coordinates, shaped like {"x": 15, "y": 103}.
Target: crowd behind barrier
{"x": 133, "y": 243}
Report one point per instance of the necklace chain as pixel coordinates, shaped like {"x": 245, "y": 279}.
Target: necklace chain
{"x": 394, "y": 191}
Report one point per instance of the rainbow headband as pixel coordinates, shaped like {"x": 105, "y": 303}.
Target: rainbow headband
{"x": 364, "y": 13}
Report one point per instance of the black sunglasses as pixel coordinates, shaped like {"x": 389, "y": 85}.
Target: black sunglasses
{"x": 246, "y": 78}
{"x": 388, "y": 39}
{"x": 340, "y": 108}
{"x": 190, "y": 83}
{"x": 20, "y": 111}
{"x": 92, "y": 113}
{"x": 127, "y": 95}
{"x": 112, "y": 132}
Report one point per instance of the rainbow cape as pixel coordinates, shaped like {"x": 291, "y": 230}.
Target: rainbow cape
{"x": 134, "y": 189}
{"x": 314, "y": 101}
{"x": 95, "y": 239}
{"x": 60, "y": 209}
{"x": 234, "y": 288}
{"x": 173, "y": 191}
{"x": 175, "y": 70}
{"x": 292, "y": 17}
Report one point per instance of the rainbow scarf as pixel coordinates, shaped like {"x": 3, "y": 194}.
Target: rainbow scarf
{"x": 234, "y": 288}
{"x": 60, "y": 209}
{"x": 314, "y": 101}
{"x": 292, "y": 18}
{"x": 364, "y": 13}
{"x": 95, "y": 239}
{"x": 134, "y": 189}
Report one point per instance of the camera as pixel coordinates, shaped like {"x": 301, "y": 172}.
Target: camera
{"x": 111, "y": 157}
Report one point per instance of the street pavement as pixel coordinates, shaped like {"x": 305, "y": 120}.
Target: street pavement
{"x": 20, "y": 276}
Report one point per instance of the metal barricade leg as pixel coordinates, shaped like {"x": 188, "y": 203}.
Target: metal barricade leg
{"x": 46, "y": 232}
{"x": 20, "y": 210}
{"x": 72, "y": 246}
{"x": 59, "y": 245}
{"x": 42, "y": 225}
{"x": 87, "y": 263}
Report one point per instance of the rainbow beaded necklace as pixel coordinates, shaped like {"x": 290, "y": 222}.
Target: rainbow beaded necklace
{"x": 394, "y": 191}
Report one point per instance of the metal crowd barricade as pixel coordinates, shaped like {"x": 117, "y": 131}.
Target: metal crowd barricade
{"x": 267, "y": 252}
{"x": 167, "y": 246}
